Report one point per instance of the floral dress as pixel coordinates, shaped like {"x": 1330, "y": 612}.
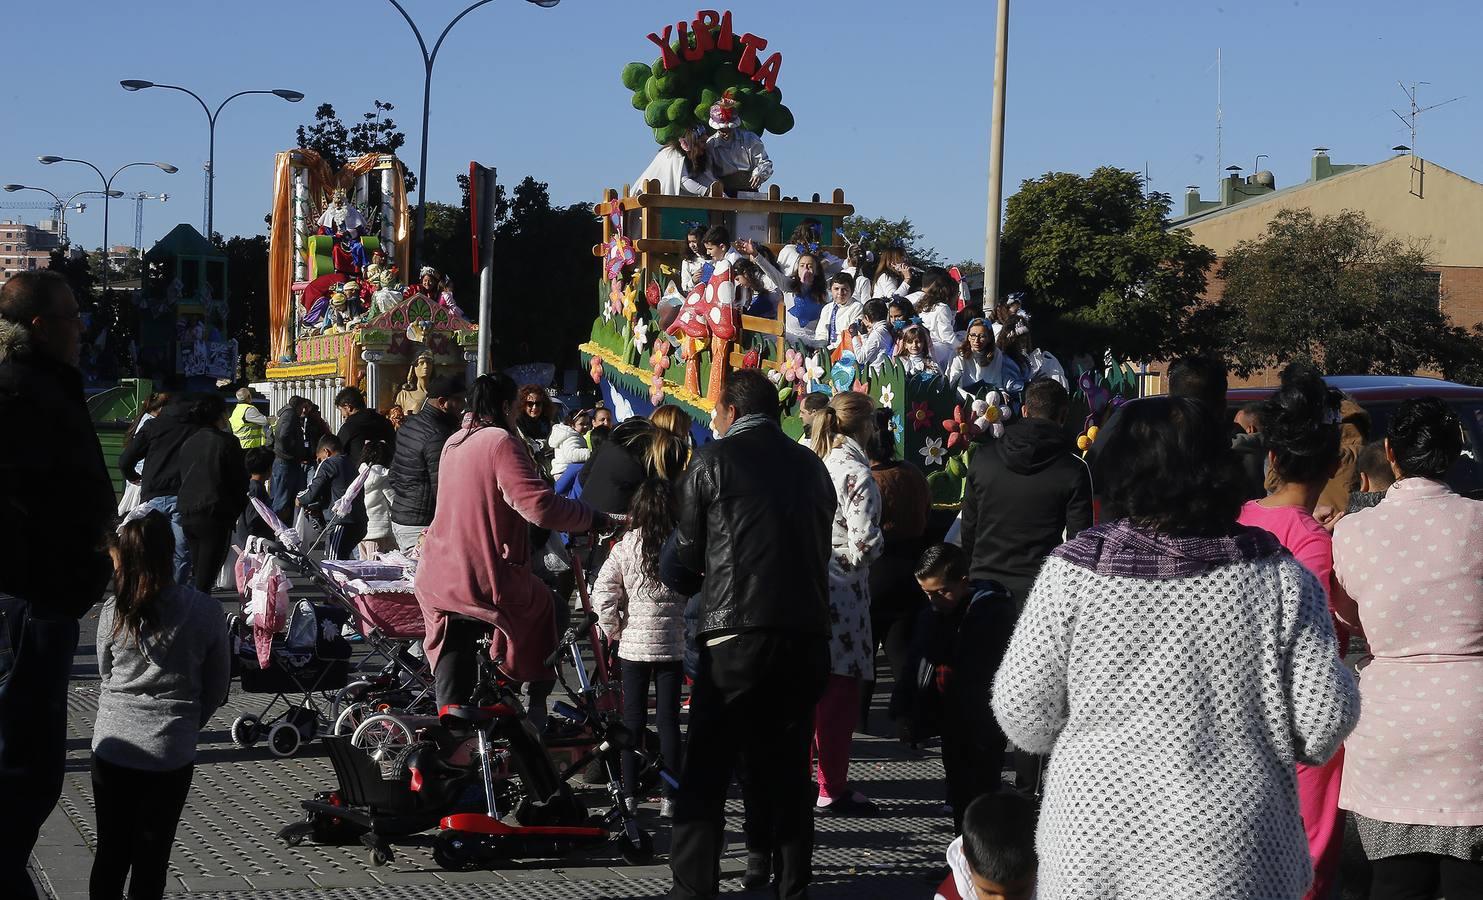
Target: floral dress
{"x": 855, "y": 542}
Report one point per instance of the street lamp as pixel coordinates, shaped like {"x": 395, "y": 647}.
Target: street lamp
{"x": 108, "y": 194}
{"x": 61, "y": 206}
{"x": 135, "y": 84}
{"x": 427, "y": 88}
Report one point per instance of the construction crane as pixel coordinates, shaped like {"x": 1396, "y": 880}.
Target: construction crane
{"x": 139, "y": 199}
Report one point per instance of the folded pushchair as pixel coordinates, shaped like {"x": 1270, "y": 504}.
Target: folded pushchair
{"x": 301, "y": 667}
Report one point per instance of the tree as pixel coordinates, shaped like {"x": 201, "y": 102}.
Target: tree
{"x": 1343, "y": 293}
{"x": 1099, "y": 267}
{"x": 337, "y": 144}
{"x": 127, "y": 269}
{"x": 247, "y": 294}
{"x": 880, "y": 233}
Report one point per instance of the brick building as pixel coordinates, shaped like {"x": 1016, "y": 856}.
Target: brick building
{"x": 1407, "y": 197}
{"x": 24, "y": 247}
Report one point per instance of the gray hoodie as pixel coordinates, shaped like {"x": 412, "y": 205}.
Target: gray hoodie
{"x": 159, "y": 692}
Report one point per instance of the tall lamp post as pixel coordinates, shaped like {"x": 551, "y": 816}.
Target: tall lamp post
{"x": 996, "y": 159}
{"x": 61, "y": 206}
{"x": 108, "y": 193}
{"x": 427, "y": 91}
{"x": 135, "y": 84}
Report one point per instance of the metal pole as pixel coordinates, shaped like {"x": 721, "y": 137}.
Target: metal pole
{"x": 427, "y": 94}
{"x": 486, "y": 270}
{"x": 996, "y": 161}
{"x": 211, "y": 179}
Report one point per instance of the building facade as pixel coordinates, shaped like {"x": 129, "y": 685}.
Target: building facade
{"x": 25, "y": 247}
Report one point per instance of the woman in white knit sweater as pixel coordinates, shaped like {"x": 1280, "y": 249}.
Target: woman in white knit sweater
{"x": 1175, "y": 665}
{"x": 647, "y": 620}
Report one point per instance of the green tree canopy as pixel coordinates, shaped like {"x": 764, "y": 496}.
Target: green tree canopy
{"x": 376, "y": 132}
{"x": 1099, "y": 267}
{"x": 880, "y": 233}
{"x": 1339, "y": 291}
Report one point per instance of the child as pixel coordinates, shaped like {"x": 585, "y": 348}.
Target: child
{"x": 259, "y": 461}
{"x": 899, "y": 315}
{"x": 994, "y": 858}
{"x": 936, "y": 303}
{"x": 804, "y": 296}
{"x": 569, "y": 442}
{"x": 693, "y": 260}
{"x": 957, "y": 644}
{"x": 718, "y": 252}
{"x": 1375, "y": 476}
{"x": 805, "y": 238}
{"x": 808, "y": 410}
{"x": 164, "y": 669}
{"x": 836, "y": 318}
{"x": 879, "y": 343}
{"x": 914, "y": 352}
{"x": 377, "y": 496}
{"x": 647, "y": 621}
{"x": 762, "y": 296}
{"x": 330, "y": 482}
{"x": 893, "y": 275}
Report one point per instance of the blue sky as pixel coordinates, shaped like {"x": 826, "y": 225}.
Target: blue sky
{"x": 892, "y": 101}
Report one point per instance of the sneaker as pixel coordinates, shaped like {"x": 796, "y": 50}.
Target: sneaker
{"x": 667, "y": 808}
{"x": 852, "y": 804}
{"x": 759, "y": 871}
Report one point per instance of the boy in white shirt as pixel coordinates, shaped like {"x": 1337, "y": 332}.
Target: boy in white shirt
{"x": 880, "y": 343}
{"x": 836, "y": 318}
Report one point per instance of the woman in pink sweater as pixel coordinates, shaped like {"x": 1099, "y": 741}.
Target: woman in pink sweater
{"x": 1300, "y": 429}
{"x": 475, "y": 569}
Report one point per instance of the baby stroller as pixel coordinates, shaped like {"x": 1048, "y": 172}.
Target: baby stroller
{"x": 482, "y": 774}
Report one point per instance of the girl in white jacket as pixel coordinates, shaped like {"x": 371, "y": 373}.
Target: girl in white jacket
{"x": 376, "y": 493}
{"x": 569, "y": 441}
{"x": 647, "y": 620}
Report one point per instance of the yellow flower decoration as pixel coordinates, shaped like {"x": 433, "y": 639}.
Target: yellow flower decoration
{"x": 630, "y": 303}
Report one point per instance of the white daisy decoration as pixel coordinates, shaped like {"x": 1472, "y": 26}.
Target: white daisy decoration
{"x": 775, "y": 376}
{"x": 813, "y": 370}
{"x": 932, "y": 451}
{"x": 607, "y": 313}
{"x": 640, "y": 336}
{"x": 888, "y": 396}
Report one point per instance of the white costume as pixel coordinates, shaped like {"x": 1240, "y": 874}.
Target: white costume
{"x": 742, "y": 153}
{"x": 674, "y": 177}
{"x": 341, "y": 216}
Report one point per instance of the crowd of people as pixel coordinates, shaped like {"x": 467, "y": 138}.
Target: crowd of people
{"x": 1157, "y": 633}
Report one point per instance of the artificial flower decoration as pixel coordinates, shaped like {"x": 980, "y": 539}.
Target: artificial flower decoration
{"x": 752, "y": 359}
{"x": 656, "y": 390}
{"x": 793, "y": 369}
{"x": 920, "y": 416}
{"x": 640, "y": 335}
{"x": 630, "y": 303}
{"x": 932, "y": 451}
{"x": 997, "y": 411}
{"x": 860, "y": 387}
{"x": 595, "y": 370}
{"x": 659, "y": 360}
{"x": 961, "y": 428}
{"x": 888, "y": 396}
{"x": 652, "y": 293}
{"x": 775, "y": 376}
{"x": 813, "y": 370}
{"x": 618, "y": 253}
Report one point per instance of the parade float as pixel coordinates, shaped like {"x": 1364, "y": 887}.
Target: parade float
{"x": 652, "y": 344}
{"x": 343, "y": 310}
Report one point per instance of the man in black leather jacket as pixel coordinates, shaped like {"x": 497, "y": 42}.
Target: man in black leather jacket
{"x": 414, "y": 467}
{"x": 56, "y": 506}
{"x": 753, "y": 537}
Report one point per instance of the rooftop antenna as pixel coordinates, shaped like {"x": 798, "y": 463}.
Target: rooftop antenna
{"x": 1409, "y": 120}
{"x": 1219, "y": 120}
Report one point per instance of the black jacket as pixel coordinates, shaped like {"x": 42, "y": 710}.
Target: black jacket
{"x": 611, "y": 477}
{"x": 56, "y": 499}
{"x": 330, "y": 481}
{"x": 755, "y": 511}
{"x": 213, "y": 476}
{"x": 414, "y": 467}
{"x": 1024, "y": 492}
{"x": 290, "y": 442}
{"x": 948, "y": 679}
{"x": 1251, "y": 451}
{"x": 159, "y": 444}
{"x": 366, "y": 425}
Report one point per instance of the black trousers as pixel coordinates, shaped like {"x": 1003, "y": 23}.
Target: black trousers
{"x": 137, "y": 815}
{"x": 208, "y": 539}
{"x": 1422, "y": 876}
{"x": 895, "y": 601}
{"x": 753, "y": 704}
{"x": 972, "y": 770}
{"x": 35, "y": 667}
{"x": 666, "y": 678}
{"x": 457, "y": 672}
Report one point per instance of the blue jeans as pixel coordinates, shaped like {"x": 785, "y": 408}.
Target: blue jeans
{"x": 287, "y": 480}
{"x": 166, "y": 506}
{"x": 35, "y": 667}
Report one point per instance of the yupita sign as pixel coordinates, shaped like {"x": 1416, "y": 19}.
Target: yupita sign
{"x": 711, "y": 30}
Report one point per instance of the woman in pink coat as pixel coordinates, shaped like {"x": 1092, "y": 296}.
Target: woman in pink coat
{"x": 475, "y": 569}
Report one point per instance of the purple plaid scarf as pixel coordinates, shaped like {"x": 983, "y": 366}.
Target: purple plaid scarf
{"x": 1122, "y": 548}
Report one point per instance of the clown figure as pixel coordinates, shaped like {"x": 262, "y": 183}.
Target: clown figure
{"x": 737, "y": 157}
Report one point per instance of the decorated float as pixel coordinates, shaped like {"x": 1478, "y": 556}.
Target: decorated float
{"x": 343, "y": 309}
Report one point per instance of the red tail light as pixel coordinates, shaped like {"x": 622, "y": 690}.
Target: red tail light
{"x": 416, "y": 780}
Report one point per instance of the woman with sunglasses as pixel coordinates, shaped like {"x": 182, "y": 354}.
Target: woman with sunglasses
{"x": 533, "y": 419}
{"x": 979, "y": 367}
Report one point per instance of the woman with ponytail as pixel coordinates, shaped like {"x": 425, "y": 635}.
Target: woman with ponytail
{"x": 842, "y": 432}
{"x": 1300, "y": 428}
{"x": 647, "y": 620}
{"x": 164, "y": 669}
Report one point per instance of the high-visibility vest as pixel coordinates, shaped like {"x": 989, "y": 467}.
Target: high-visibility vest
{"x": 249, "y": 434}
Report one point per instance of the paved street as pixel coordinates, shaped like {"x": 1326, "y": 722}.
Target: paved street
{"x": 240, "y": 798}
